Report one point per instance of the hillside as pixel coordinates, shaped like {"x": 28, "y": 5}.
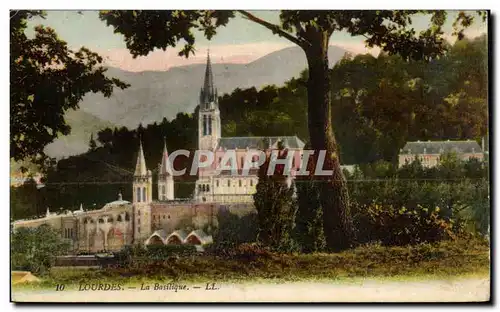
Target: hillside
{"x": 154, "y": 95}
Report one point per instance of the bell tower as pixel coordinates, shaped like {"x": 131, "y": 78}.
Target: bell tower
{"x": 209, "y": 125}
{"x": 142, "y": 197}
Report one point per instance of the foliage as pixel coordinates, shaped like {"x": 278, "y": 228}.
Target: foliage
{"x": 25, "y": 200}
{"x": 444, "y": 259}
{"x": 401, "y": 226}
{"x": 459, "y": 188}
{"x": 47, "y": 79}
{"x": 35, "y": 249}
{"x": 276, "y": 207}
{"x": 233, "y": 230}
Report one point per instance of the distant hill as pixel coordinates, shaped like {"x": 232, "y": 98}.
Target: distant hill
{"x": 157, "y": 94}
{"x": 82, "y": 126}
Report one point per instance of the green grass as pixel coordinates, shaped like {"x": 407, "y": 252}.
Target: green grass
{"x": 446, "y": 260}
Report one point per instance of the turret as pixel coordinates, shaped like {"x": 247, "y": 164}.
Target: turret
{"x": 165, "y": 179}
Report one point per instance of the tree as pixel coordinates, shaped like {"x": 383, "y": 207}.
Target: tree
{"x": 92, "y": 143}
{"x": 310, "y": 30}
{"x": 46, "y": 80}
{"x": 35, "y": 249}
{"x": 275, "y": 207}
{"x": 309, "y": 219}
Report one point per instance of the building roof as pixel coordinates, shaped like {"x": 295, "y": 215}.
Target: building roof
{"x": 140, "y": 166}
{"x": 439, "y": 147}
{"x": 208, "y": 93}
{"x": 202, "y": 237}
{"x": 259, "y": 142}
{"x": 165, "y": 167}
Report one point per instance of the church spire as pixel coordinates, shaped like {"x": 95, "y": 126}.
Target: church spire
{"x": 208, "y": 93}
{"x": 140, "y": 167}
{"x": 165, "y": 165}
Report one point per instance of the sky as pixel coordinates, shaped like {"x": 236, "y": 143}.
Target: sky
{"x": 242, "y": 41}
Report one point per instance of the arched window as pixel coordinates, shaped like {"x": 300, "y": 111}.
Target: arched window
{"x": 138, "y": 191}
{"x": 163, "y": 190}
{"x": 217, "y": 183}
{"x": 240, "y": 182}
{"x": 228, "y": 182}
{"x": 119, "y": 219}
{"x": 127, "y": 217}
{"x": 208, "y": 188}
{"x": 204, "y": 124}
{"x": 203, "y": 187}
{"x": 144, "y": 194}
{"x": 209, "y": 125}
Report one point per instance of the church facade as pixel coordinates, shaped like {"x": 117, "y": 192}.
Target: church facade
{"x": 228, "y": 186}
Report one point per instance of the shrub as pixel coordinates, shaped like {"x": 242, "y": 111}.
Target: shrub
{"x": 397, "y": 225}
{"x": 36, "y": 249}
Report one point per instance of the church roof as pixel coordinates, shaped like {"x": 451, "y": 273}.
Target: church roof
{"x": 140, "y": 166}
{"x": 208, "y": 92}
{"x": 259, "y": 142}
{"x": 165, "y": 167}
{"x": 439, "y": 147}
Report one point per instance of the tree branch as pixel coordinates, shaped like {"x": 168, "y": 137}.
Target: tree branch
{"x": 274, "y": 28}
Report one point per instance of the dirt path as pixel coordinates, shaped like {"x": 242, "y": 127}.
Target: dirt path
{"x": 466, "y": 289}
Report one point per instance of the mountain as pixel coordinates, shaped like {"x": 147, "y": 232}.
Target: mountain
{"x": 82, "y": 126}
{"x": 157, "y": 94}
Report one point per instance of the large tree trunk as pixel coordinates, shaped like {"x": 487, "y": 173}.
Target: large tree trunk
{"x": 334, "y": 196}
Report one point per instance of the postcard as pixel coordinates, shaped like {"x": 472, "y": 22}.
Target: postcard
{"x": 249, "y": 156}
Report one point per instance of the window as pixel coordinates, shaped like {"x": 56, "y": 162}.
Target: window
{"x": 163, "y": 217}
{"x": 251, "y": 182}
{"x": 163, "y": 190}
{"x": 204, "y": 124}
{"x": 228, "y": 182}
{"x": 242, "y": 160}
{"x": 217, "y": 183}
{"x": 240, "y": 182}
{"x": 169, "y": 216}
{"x": 208, "y": 188}
{"x": 138, "y": 229}
{"x": 119, "y": 219}
{"x": 127, "y": 217}
{"x": 144, "y": 194}
{"x": 138, "y": 194}
{"x": 199, "y": 187}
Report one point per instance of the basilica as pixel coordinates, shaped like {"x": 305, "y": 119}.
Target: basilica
{"x": 167, "y": 220}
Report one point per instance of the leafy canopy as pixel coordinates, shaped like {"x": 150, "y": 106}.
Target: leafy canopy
{"x": 46, "y": 79}
{"x": 390, "y": 30}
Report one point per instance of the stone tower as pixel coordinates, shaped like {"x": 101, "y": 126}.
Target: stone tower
{"x": 165, "y": 179}
{"x": 209, "y": 125}
{"x": 142, "y": 197}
